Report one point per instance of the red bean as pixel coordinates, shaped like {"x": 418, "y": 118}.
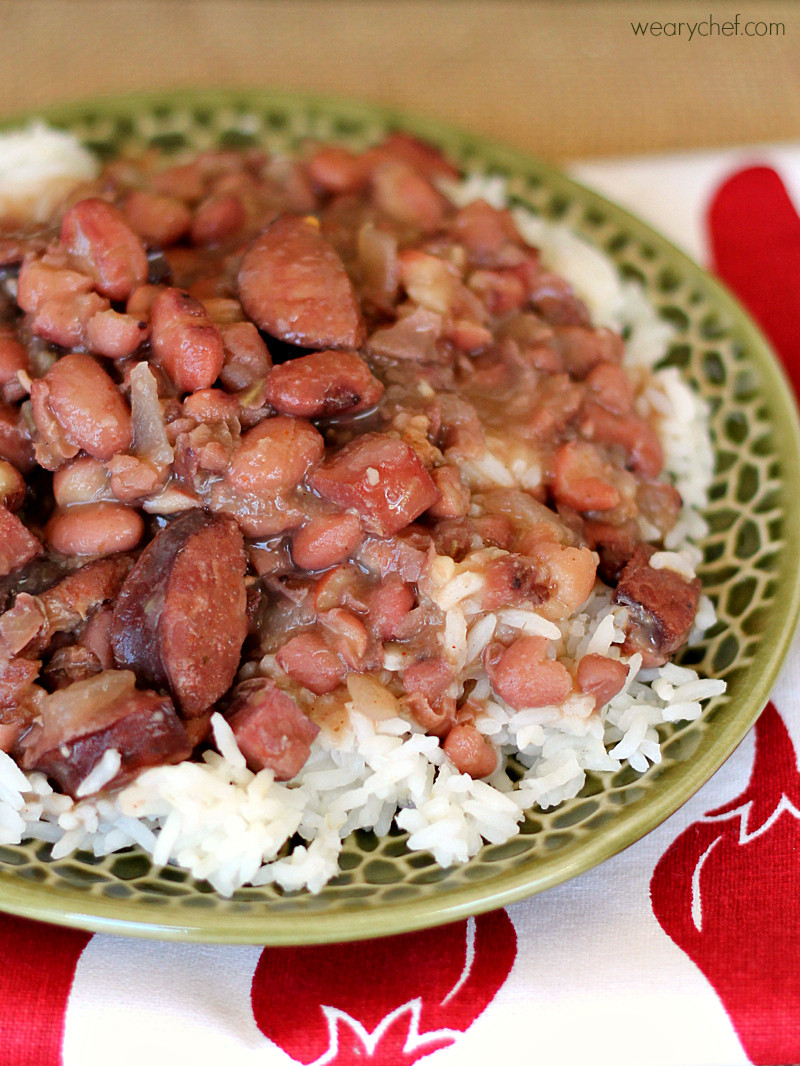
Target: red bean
{"x": 389, "y": 606}
{"x": 293, "y": 285}
{"x": 326, "y": 540}
{"x": 17, "y": 544}
{"x": 582, "y": 479}
{"x": 309, "y": 660}
{"x": 470, "y": 752}
{"x": 407, "y": 197}
{"x": 159, "y": 220}
{"x": 322, "y": 384}
{"x": 94, "y": 529}
{"x": 89, "y": 406}
{"x": 100, "y": 243}
{"x": 13, "y": 359}
{"x": 15, "y": 442}
{"x": 115, "y": 335}
{"x": 523, "y": 677}
{"x": 218, "y": 219}
{"x": 39, "y": 281}
{"x": 247, "y": 360}
{"x": 629, "y": 432}
{"x": 275, "y": 455}
{"x": 12, "y": 486}
{"x": 600, "y": 677}
{"x": 64, "y": 319}
{"x": 338, "y": 170}
{"x": 84, "y": 480}
{"x": 185, "y": 340}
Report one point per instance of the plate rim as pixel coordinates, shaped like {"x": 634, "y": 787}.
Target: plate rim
{"x": 67, "y": 905}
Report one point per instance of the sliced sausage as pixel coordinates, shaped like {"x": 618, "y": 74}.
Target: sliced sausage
{"x": 294, "y": 286}
{"x": 270, "y": 729}
{"x": 382, "y": 478}
{"x": 81, "y": 722}
{"x": 181, "y": 617}
{"x": 322, "y": 384}
{"x": 662, "y": 606}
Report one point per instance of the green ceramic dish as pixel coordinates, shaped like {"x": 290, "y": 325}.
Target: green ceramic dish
{"x": 752, "y": 557}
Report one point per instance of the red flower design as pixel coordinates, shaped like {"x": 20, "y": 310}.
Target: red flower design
{"x": 391, "y": 1001}
{"x": 726, "y": 892}
{"x": 37, "y": 968}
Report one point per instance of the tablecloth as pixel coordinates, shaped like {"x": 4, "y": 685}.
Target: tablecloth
{"x": 683, "y": 950}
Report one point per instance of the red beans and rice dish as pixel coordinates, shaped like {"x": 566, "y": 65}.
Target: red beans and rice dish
{"x": 288, "y": 440}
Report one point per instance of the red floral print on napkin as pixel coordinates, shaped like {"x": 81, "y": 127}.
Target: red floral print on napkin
{"x": 383, "y": 1002}
{"x": 37, "y": 968}
{"x": 726, "y": 892}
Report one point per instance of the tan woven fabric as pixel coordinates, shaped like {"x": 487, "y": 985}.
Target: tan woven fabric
{"x": 562, "y": 79}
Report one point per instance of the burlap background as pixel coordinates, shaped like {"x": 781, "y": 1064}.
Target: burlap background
{"x": 562, "y": 79}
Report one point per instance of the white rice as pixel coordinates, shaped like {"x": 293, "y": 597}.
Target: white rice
{"x": 39, "y": 166}
{"x": 231, "y": 826}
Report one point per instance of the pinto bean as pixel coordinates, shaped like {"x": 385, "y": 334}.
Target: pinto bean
{"x": 436, "y": 718}
{"x": 100, "y": 243}
{"x": 294, "y": 286}
{"x": 115, "y": 335}
{"x": 407, "y": 197}
{"x": 389, "y": 606}
{"x": 382, "y": 478}
{"x": 89, "y": 406}
{"x": 322, "y": 384}
{"x": 185, "y": 340}
{"x": 17, "y": 544}
{"x": 64, "y": 319}
{"x": 275, "y": 455}
{"x": 94, "y": 529}
{"x": 601, "y": 677}
{"x": 218, "y": 219}
{"x": 12, "y": 486}
{"x": 470, "y": 752}
{"x": 513, "y": 580}
{"x": 583, "y": 348}
{"x": 611, "y": 387}
{"x": 16, "y": 446}
{"x": 13, "y": 359}
{"x": 629, "y": 432}
{"x": 84, "y": 480}
{"x": 431, "y": 677}
{"x": 570, "y": 574}
{"x": 181, "y": 617}
{"x": 325, "y": 540}
{"x": 308, "y": 660}
{"x": 40, "y": 281}
{"x": 247, "y": 359}
{"x": 581, "y": 479}
{"x": 522, "y": 676}
{"x": 159, "y": 220}
{"x": 270, "y": 729}
{"x": 131, "y": 478}
{"x": 489, "y": 236}
{"x": 454, "y": 494}
{"x": 338, "y": 170}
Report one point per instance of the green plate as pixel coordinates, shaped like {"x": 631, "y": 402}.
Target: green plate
{"x": 752, "y": 555}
